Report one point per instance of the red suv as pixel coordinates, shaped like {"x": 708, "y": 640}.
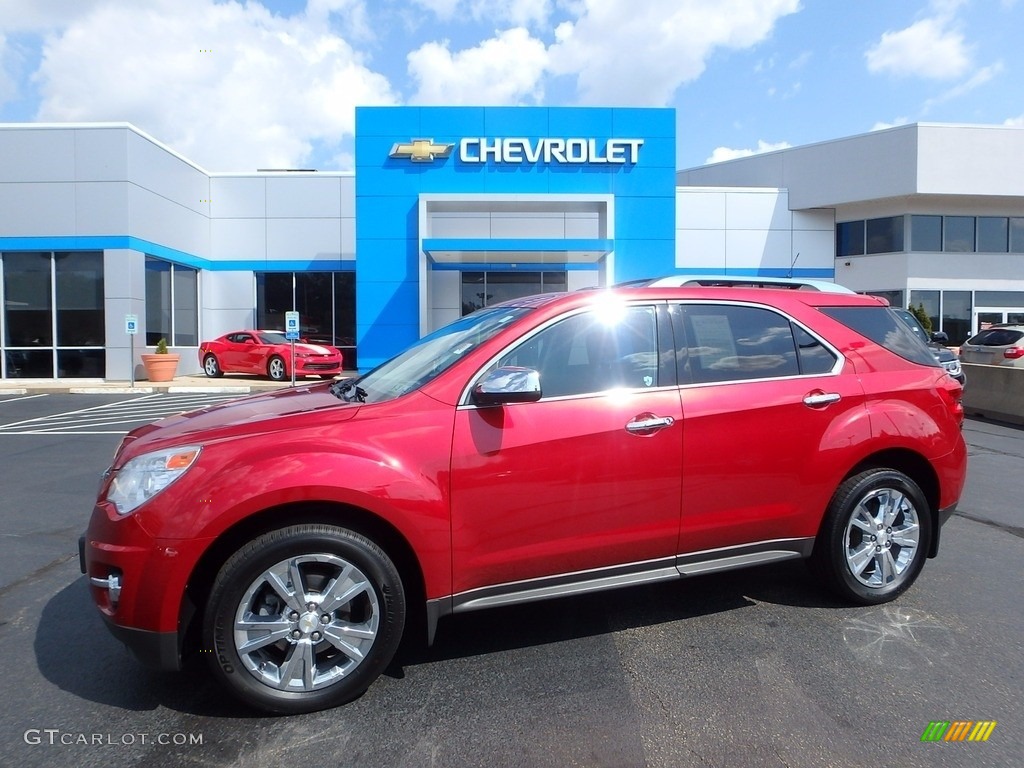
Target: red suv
{"x": 544, "y": 447}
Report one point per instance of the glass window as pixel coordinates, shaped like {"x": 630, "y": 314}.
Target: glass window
{"x": 885, "y": 235}
{"x": 999, "y": 298}
{"x": 730, "y": 343}
{"x": 325, "y": 301}
{"x": 482, "y": 289}
{"x": 992, "y": 234}
{"x": 172, "y": 303}
{"x": 186, "y": 306}
{"x": 815, "y": 358}
{"x": 591, "y": 352}
{"x": 850, "y": 238}
{"x": 80, "y": 318}
{"x": 958, "y": 234}
{"x": 158, "y": 301}
{"x": 926, "y": 233}
{"x": 929, "y": 300}
{"x": 895, "y": 298}
{"x": 956, "y": 315}
{"x": 28, "y": 305}
{"x": 1017, "y": 235}
{"x": 884, "y": 328}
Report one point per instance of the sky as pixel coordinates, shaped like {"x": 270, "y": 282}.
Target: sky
{"x": 235, "y": 85}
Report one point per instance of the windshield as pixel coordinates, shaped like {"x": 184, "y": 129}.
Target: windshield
{"x": 428, "y": 357}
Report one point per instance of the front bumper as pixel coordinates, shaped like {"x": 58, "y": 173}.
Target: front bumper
{"x": 138, "y": 585}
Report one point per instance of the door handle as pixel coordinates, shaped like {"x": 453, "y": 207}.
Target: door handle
{"x": 819, "y": 398}
{"x": 649, "y": 423}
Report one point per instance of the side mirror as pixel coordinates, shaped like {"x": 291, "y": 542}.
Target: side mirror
{"x": 509, "y": 384}
{"x": 940, "y": 337}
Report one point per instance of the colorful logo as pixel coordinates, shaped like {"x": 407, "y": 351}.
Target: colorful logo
{"x": 958, "y": 730}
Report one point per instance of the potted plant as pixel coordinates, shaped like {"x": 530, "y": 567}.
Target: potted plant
{"x": 161, "y": 365}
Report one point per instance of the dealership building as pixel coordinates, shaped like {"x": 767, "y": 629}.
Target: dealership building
{"x": 452, "y": 209}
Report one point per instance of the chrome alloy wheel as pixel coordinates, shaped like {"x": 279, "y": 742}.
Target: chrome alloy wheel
{"x": 882, "y": 538}
{"x": 306, "y": 622}
{"x": 276, "y": 369}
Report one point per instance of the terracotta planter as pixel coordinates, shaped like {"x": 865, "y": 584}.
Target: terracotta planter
{"x": 160, "y": 367}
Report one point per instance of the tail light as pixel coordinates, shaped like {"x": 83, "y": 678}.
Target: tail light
{"x": 953, "y": 394}
{"x": 1013, "y": 353}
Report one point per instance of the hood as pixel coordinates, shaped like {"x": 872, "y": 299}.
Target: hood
{"x": 281, "y": 409}
{"x": 306, "y": 348}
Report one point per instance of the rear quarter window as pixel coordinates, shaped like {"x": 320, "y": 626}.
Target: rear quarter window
{"x": 882, "y": 326}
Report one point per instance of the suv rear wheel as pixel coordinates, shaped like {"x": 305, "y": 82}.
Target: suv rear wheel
{"x": 875, "y": 537}
{"x": 304, "y": 618}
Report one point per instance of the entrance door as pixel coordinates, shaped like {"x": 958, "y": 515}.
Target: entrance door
{"x": 987, "y": 317}
{"x": 482, "y": 289}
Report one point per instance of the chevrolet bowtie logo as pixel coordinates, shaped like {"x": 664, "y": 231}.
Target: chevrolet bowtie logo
{"x": 420, "y": 150}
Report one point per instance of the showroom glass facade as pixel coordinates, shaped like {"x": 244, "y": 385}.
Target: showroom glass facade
{"x": 53, "y": 321}
{"x": 325, "y": 301}
{"x": 481, "y": 289}
{"x": 172, "y": 303}
{"x": 931, "y": 233}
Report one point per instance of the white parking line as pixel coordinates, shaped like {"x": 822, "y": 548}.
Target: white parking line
{"x": 127, "y": 413}
{"x": 18, "y": 398}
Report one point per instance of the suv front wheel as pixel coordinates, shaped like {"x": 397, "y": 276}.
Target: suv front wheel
{"x": 875, "y": 537}
{"x": 304, "y": 618}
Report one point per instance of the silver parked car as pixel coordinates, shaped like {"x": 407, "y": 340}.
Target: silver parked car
{"x": 998, "y": 345}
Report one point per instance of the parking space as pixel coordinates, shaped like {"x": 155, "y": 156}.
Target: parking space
{"x": 750, "y": 668}
{"x": 107, "y": 418}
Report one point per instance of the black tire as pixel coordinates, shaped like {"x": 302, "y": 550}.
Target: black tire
{"x": 861, "y": 562}
{"x": 276, "y": 369}
{"x": 211, "y": 367}
{"x": 311, "y": 664}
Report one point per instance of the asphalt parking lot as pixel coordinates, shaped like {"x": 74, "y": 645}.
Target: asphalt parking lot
{"x": 752, "y": 668}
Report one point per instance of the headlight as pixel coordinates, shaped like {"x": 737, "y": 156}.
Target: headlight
{"x": 145, "y": 476}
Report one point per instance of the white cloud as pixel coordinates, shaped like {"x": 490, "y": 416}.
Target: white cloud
{"x": 518, "y": 13}
{"x": 928, "y": 48}
{"x": 976, "y": 80}
{"x": 670, "y": 42}
{"x": 506, "y": 69}
{"x": 721, "y": 154}
{"x": 881, "y": 126}
{"x": 1014, "y": 122}
{"x": 228, "y": 85}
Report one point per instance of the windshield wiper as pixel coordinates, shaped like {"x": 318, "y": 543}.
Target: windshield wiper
{"x": 349, "y": 391}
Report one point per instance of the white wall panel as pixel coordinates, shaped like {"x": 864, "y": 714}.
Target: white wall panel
{"x": 821, "y": 220}
{"x": 458, "y": 225}
{"x": 101, "y": 154}
{"x": 238, "y": 197}
{"x": 585, "y": 225}
{"x": 101, "y": 208}
{"x": 303, "y": 239}
{"x": 757, "y": 210}
{"x": 154, "y": 168}
{"x": 37, "y": 154}
{"x": 347, "y": 184}
{"x": 577, "y": 280}
{"x": 816, "y": 250}
{"x": 348, "y": 239}
{"x": 235, "y": 239}
{"x": 439, "y": 318}
{"x": 757, "y": 248}
{"x": 447, "y": 290}
{"x": 300, "y": 196}
{"x": 527, "y": 225}
{"x": 700, "y": 209}
{"x": 30, "y": 209}
{"x": 700, "y": 248}
{"x": 159, "y": 220}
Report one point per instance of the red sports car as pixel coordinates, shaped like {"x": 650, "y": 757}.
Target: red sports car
{"x": 267, "y": 353}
